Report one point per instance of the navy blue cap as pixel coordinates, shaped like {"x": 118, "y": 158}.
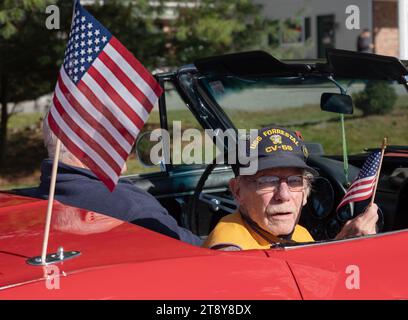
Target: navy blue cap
{"x": 278, "y": 147}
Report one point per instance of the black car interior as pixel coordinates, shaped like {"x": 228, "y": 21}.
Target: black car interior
{"x": 198, "y": 196}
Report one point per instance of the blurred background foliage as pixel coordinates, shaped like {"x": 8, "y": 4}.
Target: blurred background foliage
{"x": 31, "y": 54}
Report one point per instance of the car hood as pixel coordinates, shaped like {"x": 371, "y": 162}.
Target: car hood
{"x": 22, "y": 223}
{"x": 126, "y": 261}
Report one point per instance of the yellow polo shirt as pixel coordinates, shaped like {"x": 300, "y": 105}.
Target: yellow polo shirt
{"x": 232, "y": 230}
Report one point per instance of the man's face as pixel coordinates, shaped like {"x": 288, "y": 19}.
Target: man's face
{"x": 276, "y": 212}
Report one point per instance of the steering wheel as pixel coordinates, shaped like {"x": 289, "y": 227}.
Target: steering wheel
{"x": 217, "y": 203}
{"x": 320, "y": 215}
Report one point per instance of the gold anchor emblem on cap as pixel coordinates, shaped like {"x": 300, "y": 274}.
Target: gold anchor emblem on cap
{"x": 276, "y": 139}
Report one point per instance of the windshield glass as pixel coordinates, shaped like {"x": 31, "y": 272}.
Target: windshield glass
{"x": 380, "y": 108}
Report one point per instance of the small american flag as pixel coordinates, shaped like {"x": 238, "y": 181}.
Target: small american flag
{"x": 363, "y": 186}
{"x": 102, "y": 98}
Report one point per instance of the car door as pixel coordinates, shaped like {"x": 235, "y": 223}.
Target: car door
{"x": 371, "y": 267}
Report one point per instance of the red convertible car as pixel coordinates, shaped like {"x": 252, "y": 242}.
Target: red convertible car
{"x": 112, "y": 259}
{"x": 130, "y": 262}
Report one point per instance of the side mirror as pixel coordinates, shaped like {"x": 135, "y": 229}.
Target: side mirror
{"x": 335, "y": 102}
{"x": 143, "y": 147}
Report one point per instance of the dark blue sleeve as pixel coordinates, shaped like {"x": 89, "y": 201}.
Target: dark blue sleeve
{"x": 130, "y": 203}
{"x": 188, "y": 236}
{"x": 155, "y": 217}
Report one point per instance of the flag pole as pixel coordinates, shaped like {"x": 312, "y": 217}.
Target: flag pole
{"x": 50, "y": 202}
{"x": 384, "y": 145}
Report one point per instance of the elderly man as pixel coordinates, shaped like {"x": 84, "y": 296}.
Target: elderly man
{"x": 77, "y": 186}
{"x": 271, "y": 200}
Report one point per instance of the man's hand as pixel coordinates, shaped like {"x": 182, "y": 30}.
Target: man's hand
{"x": 361, "y": 225}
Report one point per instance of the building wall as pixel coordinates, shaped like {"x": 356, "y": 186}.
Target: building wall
{"x": 344, "y": 38}
{"x": 385, "y": 26}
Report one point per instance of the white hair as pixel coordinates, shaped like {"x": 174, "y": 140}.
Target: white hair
{"x": 309, "y": 178}
{"x": 65, "y": 156}
{"x": 50, "y": 142}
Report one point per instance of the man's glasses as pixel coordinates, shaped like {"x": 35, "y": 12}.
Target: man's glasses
{"x": 295, "y": 183}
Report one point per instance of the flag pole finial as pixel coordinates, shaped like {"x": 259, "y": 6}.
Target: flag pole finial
{"x": 384, "y": 144}
{"x": 383, "y": 147}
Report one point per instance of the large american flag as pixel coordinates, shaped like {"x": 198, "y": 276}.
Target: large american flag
{"x": 102, "y": 98}
{"x": 363, "y": 186}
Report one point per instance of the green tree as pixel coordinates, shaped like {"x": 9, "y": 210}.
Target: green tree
{"x": 136, "y": 25}
{"x": 196, "y": 29}
{"x": 378, "y": 97}
{"x": 29, "y": 56}
{"x": 13, "y": 14}
{"x": 214, "y": 27}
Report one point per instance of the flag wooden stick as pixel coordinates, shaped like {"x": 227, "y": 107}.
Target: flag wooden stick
{"x": 50, "y": 202}
{"x": 384, "y": 145}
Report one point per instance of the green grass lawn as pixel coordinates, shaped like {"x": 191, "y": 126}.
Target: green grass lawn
{"x": 26, "y": 147}
{"x": 361, "y": 133}
{"x": 258, "y": 119}
{"x": 325, "y": 127}
{"x": 20, "y": 121}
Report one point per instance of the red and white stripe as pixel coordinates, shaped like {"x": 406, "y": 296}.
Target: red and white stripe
{"x": 99, "y": 118}
{"x": 360, "y": 190}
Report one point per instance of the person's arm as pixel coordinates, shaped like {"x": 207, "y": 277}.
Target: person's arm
{"x": 187, "y": 236}
{"x": 363, "y": 224}
{"x": 142, "y": 208}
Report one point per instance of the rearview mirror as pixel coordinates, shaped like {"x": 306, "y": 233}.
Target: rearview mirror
{"x": 335, "y": 102}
